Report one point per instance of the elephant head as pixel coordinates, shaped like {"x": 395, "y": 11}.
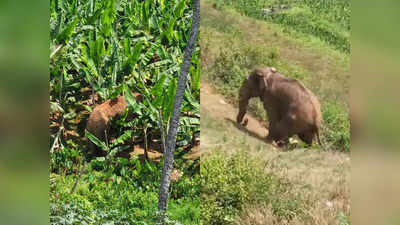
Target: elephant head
{"x": 254, "y": 86}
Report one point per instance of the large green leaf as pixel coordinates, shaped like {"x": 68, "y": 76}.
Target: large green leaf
{"x": 117, "y": 149}
{"x": 170, "y": 30}
{"x": 168, "y": 104}
{"x": 195, "y": 75}
{"x": 131, "y": 100}
{"x": 136, "y": 53}
{"x": 180, "y": 8}
{"x": 96, "y": 141}
{"x": 121, "y": 139}
{"x": 158, "y": 88}
{"x": 108, "y": 17}
{"x": 67, "y": 32}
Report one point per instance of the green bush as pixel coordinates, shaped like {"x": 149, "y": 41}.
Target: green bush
{"x": 336, "y": 126}
{"x": 63, "y": 160}
{"x": 125, "y": 192}
{"x": 233, "y": 65}
{"x": 230, "y": 182}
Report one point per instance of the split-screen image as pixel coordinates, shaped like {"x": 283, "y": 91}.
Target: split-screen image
{"x": 219, "y": 112}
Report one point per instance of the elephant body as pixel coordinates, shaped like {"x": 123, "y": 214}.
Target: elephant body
{"x": 292, "y": 109}
{"x": 98, "y": 122}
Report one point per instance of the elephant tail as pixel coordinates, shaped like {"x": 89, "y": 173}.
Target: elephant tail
{"x": 318, "y": 138}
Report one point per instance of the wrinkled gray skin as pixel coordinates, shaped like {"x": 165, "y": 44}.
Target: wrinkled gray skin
{"x": 292, "y": 109}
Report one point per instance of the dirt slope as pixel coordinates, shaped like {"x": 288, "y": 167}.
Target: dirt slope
{"x": 216, "y": 105}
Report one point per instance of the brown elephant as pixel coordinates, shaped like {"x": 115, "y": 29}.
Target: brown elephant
{"x": 98, "y": 122}
{"x": 292, "y": 109}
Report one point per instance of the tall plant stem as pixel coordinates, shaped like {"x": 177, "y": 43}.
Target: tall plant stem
{"x": 174, "y": 122}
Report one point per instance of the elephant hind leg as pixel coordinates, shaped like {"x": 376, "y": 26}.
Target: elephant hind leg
{"x": 280, "y": 132}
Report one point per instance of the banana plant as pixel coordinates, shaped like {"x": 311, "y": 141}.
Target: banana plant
{"x": 102, "y": 47}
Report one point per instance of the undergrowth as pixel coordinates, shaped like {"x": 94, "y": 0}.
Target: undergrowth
{"x": 229, "y": 183}
{"x": 122, "y": 191}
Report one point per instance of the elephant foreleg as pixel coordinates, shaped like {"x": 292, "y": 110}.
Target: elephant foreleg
{"x": 242, "y": 109}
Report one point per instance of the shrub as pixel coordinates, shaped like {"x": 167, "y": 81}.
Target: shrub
{"x": 230, "y": 182}
{"x": 336, "y": 126}
{"x": 124, "y": 193}
{"x": 63, "y": 160}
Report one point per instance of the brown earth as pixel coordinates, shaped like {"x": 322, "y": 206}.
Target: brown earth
{"x": 215, "y": 104}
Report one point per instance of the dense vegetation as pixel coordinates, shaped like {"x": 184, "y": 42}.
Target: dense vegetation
{"x": 228, "y": 184}
{"x": 100, "y": 50}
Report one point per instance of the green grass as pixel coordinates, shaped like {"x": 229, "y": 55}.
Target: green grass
{"x": 232, "y": 45}
{"x": 336, "y": 127}
{"x": 326, "y": 20}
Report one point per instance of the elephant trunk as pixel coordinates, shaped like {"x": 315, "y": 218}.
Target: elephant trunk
{"x": 243, "y": 102}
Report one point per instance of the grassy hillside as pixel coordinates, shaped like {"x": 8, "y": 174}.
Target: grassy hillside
{"x": 326, "y": 20}
{"x": 232, "y": 45}
{"x": 244, "y": 180}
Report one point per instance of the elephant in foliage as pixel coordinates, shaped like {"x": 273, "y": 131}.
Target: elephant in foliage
{"x": 98, "y": 122}
{"x": 292, "y": 109}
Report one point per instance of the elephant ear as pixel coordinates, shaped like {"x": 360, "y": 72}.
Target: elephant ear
{"x": 262, "y": 77}
{"x": 266, "y": 79}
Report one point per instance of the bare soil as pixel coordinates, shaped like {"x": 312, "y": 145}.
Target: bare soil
{"x": 216, "y": 104}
